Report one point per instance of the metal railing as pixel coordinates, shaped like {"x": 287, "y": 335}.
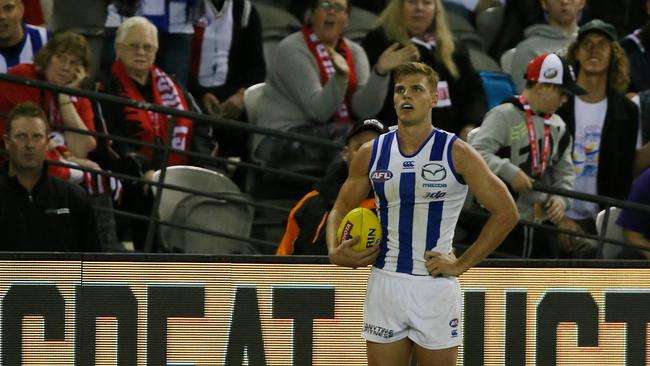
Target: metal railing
{"x": 153, "y": 219}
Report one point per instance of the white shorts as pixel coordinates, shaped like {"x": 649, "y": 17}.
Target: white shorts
{"x": 425, "y": 309}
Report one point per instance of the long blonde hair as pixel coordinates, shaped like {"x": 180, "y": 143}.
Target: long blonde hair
{"x": 394, "y": 24}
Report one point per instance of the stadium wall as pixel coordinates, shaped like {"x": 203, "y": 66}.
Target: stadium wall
{"x": 196, "y": 310}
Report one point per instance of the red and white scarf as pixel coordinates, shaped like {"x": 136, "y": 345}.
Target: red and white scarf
{"x": 154, "y": 125}
{"x": 326, "y": 68}
{"x": 95, "y": 184}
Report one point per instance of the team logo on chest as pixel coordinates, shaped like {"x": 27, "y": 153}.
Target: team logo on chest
{"x": 381, "y": 175}
{"x": 433, "y": 172}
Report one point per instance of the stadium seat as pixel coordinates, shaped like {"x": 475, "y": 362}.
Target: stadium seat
{"x": 497, "y": 86}
{"x": 464, "y": 30}
{"x": 482, "y": 61}
{"x": 471, "y": 134}
{"x": 506, "y": 60}
{"x": 488, "y": 24}
{"x": 360, "y": 23}
{"x": 277, "y": 23}
{"x": 260, "y": 184}
{"x": 251, "y": 96}
{"x": 613, "y": 231}
{"x": 276, "y": 20}
{"x": 458, "y": 23}
{"x": 202, "y": 212}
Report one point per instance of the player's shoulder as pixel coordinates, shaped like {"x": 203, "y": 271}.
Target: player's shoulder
{"x": 463, "y": 155}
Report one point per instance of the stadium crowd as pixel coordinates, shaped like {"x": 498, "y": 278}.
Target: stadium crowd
{"x": 321, "y": 68}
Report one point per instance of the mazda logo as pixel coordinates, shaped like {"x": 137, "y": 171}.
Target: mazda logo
{"x": 434, "y": 172}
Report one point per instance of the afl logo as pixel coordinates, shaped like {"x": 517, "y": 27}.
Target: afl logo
{"x": 434, "y": 172}
{"x": 381, "y": 175}
{"x": 453, "y": 323}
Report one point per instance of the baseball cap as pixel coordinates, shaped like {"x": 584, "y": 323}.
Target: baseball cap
{"x": 370, "y": 124}
{"x": 552, "y": 69}
{"x": 599, "y": 26}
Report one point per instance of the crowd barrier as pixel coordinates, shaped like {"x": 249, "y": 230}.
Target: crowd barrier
{"x": 164, "y": 310}
{"x": 153, "y": 219}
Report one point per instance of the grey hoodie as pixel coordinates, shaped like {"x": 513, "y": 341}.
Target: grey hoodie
{"x": 539, "y": 38}
{"x": 503, "y": 142}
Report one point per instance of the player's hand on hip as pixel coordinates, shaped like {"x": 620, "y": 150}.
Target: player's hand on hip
{"x": 344, "y": 256}
{"x": 439, "y": 264}
{"x": 521, "y": 182}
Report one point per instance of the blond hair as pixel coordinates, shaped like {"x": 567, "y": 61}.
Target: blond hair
{"x": 394, "y": 24}
{"x": 417, "y": 68}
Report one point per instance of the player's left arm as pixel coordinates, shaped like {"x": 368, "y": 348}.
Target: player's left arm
{"x": 493, "y": 195}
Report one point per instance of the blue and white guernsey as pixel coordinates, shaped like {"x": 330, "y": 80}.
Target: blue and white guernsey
{"x": 419, "y": 199}
{"x": 35, "y": 37}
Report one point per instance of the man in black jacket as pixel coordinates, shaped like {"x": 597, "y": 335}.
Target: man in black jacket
{"x": 603, "y": 123}
{"x": 39, "y": 212}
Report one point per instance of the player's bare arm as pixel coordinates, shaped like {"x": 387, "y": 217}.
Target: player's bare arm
{"x": 492, "y": 194}
{"x": 353, "y": 191}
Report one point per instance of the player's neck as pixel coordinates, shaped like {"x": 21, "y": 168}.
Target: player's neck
{"x": 411, "y": 137}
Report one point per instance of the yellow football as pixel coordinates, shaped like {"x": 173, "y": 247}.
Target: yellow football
{"x": 360, "y": 222}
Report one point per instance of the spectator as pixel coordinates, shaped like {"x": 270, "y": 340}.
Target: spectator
{"x": 299, "y": 7}
{"x": 635, "y": 45}
{"x": 174, "y": 20}
{"x": 504, "y": 142}
{"x": 422, "y": 24}
{"x": 324, "y": 84}
{"x": 561, "y": 29}
{"x": 521, "y": 14}
{"x": 636, "y": 223}
{"x": 227, "y": 58}
{"x": 304, "y": 234}
{"x": 39, "y": 212}
{"x": 517, "y": 16}
{"x": 63, "y": 61}
{"x": 603, "y": 123}
{"x": 18, "y": 41}
{"x": 133, "y": 75}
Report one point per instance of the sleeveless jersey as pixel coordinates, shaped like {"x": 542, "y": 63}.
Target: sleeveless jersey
{"x": 35, "y": 38}
{"x": 419, "y": 199}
